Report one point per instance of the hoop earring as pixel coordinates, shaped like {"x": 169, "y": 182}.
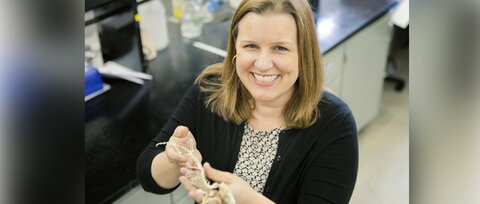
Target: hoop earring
{"x": 233, "y": 59}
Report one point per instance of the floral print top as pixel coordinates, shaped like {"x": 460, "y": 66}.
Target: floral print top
{"x": 257, "y": 151}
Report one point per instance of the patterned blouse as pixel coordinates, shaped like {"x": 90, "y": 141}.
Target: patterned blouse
{"x": 257, "y": 151}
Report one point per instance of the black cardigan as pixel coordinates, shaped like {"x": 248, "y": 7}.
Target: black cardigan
{"x": 317, "y": 164}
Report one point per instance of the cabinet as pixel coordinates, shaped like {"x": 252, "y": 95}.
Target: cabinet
{"x": 334, "y": 63}
{"x": 117, "y": 23}
{"x": 355, "y": 69}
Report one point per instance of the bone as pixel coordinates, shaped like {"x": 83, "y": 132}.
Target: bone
{"x": 216, "y": 193}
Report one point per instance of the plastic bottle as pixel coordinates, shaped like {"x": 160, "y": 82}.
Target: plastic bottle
{"x": 93, "y": 50}
{"x": 154, "y": 20}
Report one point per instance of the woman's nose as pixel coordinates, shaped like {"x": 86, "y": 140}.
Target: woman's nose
{"x": 264, "y": 61}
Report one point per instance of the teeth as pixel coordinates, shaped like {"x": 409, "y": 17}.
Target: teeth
{"x": 265, "y": 78}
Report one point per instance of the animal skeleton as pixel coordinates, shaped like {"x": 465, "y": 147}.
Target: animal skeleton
{"x": 212, "y": 193}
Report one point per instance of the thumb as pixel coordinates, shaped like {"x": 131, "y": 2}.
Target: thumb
{"x": 180, "y": 132}
{"x": 216, "y": 175}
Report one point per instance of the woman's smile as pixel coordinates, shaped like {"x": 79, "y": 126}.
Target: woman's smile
{"x": 264, "y": 80}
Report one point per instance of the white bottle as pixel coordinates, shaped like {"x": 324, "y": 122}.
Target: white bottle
{"x": 93, "y": 48}
{"x": 154, "y": 20}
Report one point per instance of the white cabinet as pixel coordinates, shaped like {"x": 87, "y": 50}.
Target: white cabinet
{"x": 355, "y": 70}
{"x": 334, "y": 62}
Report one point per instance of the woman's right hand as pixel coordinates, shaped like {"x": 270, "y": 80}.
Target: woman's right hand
{"x": 181, "y": 136}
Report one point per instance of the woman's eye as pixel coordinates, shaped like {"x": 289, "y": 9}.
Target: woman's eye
{"x": 250, "y": 46}
{"x": 280, "y": 48}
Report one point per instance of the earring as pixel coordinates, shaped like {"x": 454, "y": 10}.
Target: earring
{"x": 233, "y": 59}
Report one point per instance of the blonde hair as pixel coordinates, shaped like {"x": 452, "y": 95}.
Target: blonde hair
{"x": 231, "y": 100}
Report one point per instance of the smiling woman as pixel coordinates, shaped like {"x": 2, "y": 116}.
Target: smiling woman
{"x": 267, "y": 59}
{"x": 261, "y": 117}
{"x": 265, "y": 33}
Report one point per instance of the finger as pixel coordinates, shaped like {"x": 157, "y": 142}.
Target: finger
{"x": 191, "y": 190}
{"x": 180, "y": 131}
{"x": 183, "y": 135}
{"x": 189, "y": 140}
{"x": 184, "y": 170}
{"x": 196, "y": 195}
{"x": 186, "y": 184}
{"x": 174, "y": 156}
{"x": 216, "y": 175}
{"x": 198, "y": 155}
{"x": 185, "y": 164}
{"x": 188, "y": 171}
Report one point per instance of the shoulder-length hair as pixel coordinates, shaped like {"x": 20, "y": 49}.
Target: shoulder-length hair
{"x": 229, "y": 98}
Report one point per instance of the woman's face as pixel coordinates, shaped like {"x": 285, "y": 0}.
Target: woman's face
{"x": 267, "y": 56}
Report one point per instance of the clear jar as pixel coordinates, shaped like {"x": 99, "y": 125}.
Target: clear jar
{"x": 192, "y": 22}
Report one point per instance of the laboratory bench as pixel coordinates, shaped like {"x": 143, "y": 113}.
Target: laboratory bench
{"x": 121, "y": 122}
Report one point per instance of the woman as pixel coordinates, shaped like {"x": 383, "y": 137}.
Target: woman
{"x": 260, "y": 120}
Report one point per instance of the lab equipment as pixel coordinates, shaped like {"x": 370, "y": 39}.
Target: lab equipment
{"x": 94, "y": 85}
{"x": 178, "y": 7}
{"x": 208, "y": 8}
{"x": 154, "y": 21}
{"x": 93, "y": 50}
{"x": 192, "y": 21}
{"x": 115, "y": 70}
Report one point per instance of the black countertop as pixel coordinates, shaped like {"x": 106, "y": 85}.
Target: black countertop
{"x": 121, "y": 122}
{"x": 337, "y": 20}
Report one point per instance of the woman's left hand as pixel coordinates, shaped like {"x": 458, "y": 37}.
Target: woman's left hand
{"x": 240, "y": 189}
